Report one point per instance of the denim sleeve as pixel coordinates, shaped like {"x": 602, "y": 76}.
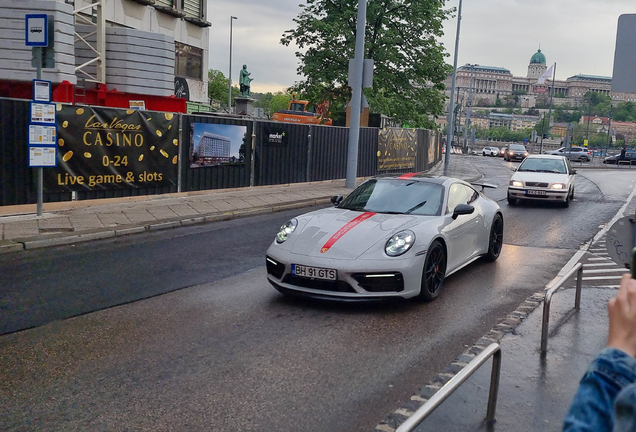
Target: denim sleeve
{"x": 593, "y": 406}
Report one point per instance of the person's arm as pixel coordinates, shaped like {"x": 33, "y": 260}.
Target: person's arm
{"x": 613, "y": 370}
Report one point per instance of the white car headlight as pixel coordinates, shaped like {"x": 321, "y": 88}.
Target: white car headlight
{"x": 516, "y": 183}
{"x": 286, "y": 230}
{"x": 400, "y": 243}
{"x": 557, "y": 186}
{"x": 525, "y": 154}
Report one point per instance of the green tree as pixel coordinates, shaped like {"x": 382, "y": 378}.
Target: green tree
{"x": 402, "y": 36}
{"x": 217, "y": 87}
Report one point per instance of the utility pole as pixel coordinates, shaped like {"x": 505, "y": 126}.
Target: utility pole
{"x": 589, "y": 114}
{"x": 468, "y": 105}
{"x": 451, "y": 111}
{"x": 356, "y": 97}
{"x": 609, "y": 130}
{"x": 229, "y": 94}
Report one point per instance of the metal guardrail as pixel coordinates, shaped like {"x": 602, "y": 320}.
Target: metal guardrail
{"x": 548, "y": 298}
{"x": 442, "y": 394}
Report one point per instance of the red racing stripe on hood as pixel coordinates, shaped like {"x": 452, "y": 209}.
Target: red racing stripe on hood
{"x": 407, "y": 176}
{"x": 345, "y": 229}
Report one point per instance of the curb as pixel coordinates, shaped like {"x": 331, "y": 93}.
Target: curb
{"x": 505, "y": 325}
{"x": 18, "y": 245}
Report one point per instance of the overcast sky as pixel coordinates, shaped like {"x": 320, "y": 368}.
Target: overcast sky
{"x": 579, "y": 35}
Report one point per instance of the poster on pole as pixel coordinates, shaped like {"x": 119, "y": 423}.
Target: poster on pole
{"x": 217, "y": 144}
{"x": 105, "y": 148}
{"x": 397, "y": 149}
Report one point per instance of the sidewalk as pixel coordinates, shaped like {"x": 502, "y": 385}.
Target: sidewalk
{"x": 79, "y": 221}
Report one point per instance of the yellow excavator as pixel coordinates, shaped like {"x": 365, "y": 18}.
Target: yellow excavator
{"x": 297, "y": 113}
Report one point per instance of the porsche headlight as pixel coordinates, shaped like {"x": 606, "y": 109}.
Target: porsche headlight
{"x": 557, "y": 186}
{"x": 516, "y": 183}
{"x": 400, "y": 243}
{"x": 286, "y": 230}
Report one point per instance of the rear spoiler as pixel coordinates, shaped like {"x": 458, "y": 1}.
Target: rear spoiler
{"x": 484, "y": 185}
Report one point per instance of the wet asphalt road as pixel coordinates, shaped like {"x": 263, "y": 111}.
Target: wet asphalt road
{"x": 228, "y": 352}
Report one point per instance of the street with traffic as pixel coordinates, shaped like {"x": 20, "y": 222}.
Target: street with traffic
{"x": 179, "y": 329}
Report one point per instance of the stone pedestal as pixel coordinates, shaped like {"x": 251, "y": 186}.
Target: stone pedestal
{"x": 244, "y": 105}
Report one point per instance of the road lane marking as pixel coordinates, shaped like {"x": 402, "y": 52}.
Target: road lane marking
{"x": 599, "y": 264}
{"x": 599, "y": 259}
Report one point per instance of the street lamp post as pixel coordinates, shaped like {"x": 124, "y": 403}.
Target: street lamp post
{"x": 229, "y": 90}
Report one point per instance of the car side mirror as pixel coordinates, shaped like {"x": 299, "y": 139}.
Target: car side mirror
{"x": 463, "y": 209}
{"x": 573, "y": 172}
{"x": 336, "y": 200}
{"x": 513, "y": 169}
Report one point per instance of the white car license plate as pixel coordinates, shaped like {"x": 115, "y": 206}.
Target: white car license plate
{"x": 535, "y": 192}
{"x": 313, "y": 272}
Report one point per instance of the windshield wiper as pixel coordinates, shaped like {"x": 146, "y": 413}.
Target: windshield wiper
{"x": 415, "y": 207}
{"x": 525, "y": 169}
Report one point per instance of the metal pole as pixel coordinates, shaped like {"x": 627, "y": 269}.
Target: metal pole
{"x": 309, "y": 158}
{"x": 468, "y": 105}
{"x": 39, "y": 173}
{"x": 551, "y": 96}
{"x": 101, "y": 42}
{"x": 579, "y": 280}
{"x": 252, "y": 156}
{"x": 356, "y": 97}
{"x": 451, "y": 111}
{"x": 609, "y": 132}
{"x": 229, "y": 76}
{"x": 494, "y": 386}
{"x": 589, "y": 113}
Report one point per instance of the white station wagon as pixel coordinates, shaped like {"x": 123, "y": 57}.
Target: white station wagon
{"x": 542, "y": 178}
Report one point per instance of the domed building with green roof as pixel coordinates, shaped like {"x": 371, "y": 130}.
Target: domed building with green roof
{"x": 537, "y": 65}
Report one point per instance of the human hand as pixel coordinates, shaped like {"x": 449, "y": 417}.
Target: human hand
{"x": 622, "y": 317}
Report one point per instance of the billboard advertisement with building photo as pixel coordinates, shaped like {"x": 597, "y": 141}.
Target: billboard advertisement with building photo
{"x": 217, "y": 144}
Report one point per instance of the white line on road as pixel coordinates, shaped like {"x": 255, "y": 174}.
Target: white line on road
{"x": 609, "y": 263}
{"x": 606, "y": 270}
{"x": 600, "y": 259}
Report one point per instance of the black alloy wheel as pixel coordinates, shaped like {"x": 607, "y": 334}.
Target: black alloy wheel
{"x": 496, "y": 238}
{"x": 434, "y": 272}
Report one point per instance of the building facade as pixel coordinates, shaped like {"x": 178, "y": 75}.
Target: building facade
{"x": 488, "y": 84}
{"x": 148, "y": 49}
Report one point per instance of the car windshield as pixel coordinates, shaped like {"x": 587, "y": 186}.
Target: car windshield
{"x": 395, "y": 196}
{"x": 517, "y": 147}
{"x": 543, "y": 165}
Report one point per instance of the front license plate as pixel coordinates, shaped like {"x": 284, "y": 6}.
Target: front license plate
{"x": 535, "y": 192}
{"x": 313, "y": 272}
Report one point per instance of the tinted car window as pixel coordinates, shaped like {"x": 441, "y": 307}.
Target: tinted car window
{"x": 471, "y": 193}
{"x": 457, "y": 194}
{"x": 517, "y": 147}
{"x": 396, "y": 196}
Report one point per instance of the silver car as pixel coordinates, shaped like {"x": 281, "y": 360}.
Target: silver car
{"x": 579, "y": 154}
{"x": 393, "y": 236}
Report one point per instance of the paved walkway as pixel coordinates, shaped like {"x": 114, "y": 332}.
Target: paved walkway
{"x": 77, "y": 221}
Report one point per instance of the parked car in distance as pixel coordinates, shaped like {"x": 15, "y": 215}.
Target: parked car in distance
{"x": 515, "y": 152}
{"x": 490, "y": 151}
{"x": 579, "y": 154}
{"x": 543, "y": 178}
{"x": 502, "y": 151}
{"x": 630, "y": 157}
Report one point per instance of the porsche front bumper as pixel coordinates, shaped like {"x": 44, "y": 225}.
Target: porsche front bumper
{"x": 356, "y": 279}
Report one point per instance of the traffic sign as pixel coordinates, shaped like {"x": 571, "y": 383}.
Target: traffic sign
{"x": 42, "y": 157}
{"x": 41, "y": 90}
{"x": 42, "y": 113}
{"x": 36, "y": 30}
{"x": 42, "y": 135}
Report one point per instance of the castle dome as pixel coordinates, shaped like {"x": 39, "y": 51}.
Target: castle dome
{"x": 538, "y": 57}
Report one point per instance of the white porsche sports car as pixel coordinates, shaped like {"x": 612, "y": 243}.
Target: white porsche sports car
{"x": 393, "y": 236}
